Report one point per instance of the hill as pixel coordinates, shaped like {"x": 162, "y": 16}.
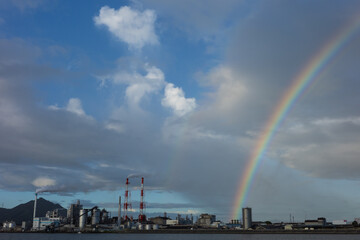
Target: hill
{"x": 24, "y": 212}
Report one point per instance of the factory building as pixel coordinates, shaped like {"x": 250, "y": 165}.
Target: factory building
{"x": 25, "y": 226}
{"x": 159, "y": 220}
{"x": 172, "y": 222}
{"x": 234, "y": 224}
{"x": 205, "y": 220}
{"x": 9, "y": 225}
{"x": 339, "y": 222}
{"x": 247, "y": 218}
{"x": 43, "y": 223}
{"x": 73, "y": 213}
{"x": 57, "y": 213}
{"x": 320, "y": 222}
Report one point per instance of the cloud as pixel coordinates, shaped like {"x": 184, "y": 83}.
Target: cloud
{"x": 174, "y": 98}
{"x": 115, "y": 125}
{"x": 230, "y": 90}
{"x": 227, "y": 96}
{"x": 194, "y": 19}
{"x": 138, "y": 85}
{"x": 43, "y": 182}
{"x": 74, "y": 105}
{"x": 322, "y": 148}
{"x": 129, "y": 25}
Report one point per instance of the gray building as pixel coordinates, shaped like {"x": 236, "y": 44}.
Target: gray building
{"x": 247, "y": 218}
{"x": 205, "y": 220}
{"x": 320, "y": 222}
{"x": 57, "y": 213}
{"x": 73, "y": 213}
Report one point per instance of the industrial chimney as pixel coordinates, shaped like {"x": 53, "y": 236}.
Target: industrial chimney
{"x": 35, "y": 204}
{"x": 142, "y": 217}
{"x": 119, "y": 212}
{"x": 126, "y": 203}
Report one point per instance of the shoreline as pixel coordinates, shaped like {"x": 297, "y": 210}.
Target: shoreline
{"x": 205, "y": 231}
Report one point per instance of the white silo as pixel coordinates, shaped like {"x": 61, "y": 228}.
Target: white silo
{"x": 95, "y": 219}
{"x": 82, "y": 220}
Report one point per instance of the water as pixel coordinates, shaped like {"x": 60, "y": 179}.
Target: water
{"x": 105, "y": 236}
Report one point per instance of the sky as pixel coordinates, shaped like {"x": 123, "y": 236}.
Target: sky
{"x": 179, "y": 92}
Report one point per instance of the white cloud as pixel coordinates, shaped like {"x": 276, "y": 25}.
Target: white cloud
{"x": 43, "y": 182}
{"x": 336, "y": 121}
{"x": 139, "y": 85}
{"x": 129, "y": 25}
{"x": 74, "y": 105}
{"x": 175, "y": 99}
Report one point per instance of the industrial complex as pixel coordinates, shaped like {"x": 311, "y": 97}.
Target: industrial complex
{"x": 79, "y": 219}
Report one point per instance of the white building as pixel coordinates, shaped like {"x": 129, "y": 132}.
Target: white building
{"x": 172, "y": 222}
{"x": 9, "y": 225}
{"x": 41, "y": 223}
{"x": 339, "y": 222}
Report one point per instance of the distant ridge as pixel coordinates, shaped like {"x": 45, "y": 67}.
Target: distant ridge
{"x": 24, "y": 212}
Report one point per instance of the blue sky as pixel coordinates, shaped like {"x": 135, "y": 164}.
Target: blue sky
{"x": 177, "y": 91}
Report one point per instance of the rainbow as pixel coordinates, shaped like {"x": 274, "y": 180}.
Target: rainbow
{"x": 300, "y": 83}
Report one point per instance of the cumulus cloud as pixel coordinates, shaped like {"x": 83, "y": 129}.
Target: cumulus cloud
{"x": 129, "y": 25}
{"x": 139, "y": 85}
{"x": 175, "y": 99}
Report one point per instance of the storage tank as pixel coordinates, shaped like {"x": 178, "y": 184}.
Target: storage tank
{"x": 156, "y": 226}
{"x": 95, "y": 218}
{"x": 247, "y": 219}
{"x": 148, "y": 227}
{"x": 82, "y": 220}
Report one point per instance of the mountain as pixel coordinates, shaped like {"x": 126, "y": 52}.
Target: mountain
{"x": 24, "y": 212}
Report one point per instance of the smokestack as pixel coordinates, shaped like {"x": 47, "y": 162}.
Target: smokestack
{"x": 126, "y": 204}
{"x": 142, "y": 217}
{"x": 119, "y": 212}
{"x": 35, "y": 204}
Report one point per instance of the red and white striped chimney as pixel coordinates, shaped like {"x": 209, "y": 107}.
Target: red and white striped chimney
{"x": 142, "y": 217}
{"x": 126, "y": 204}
